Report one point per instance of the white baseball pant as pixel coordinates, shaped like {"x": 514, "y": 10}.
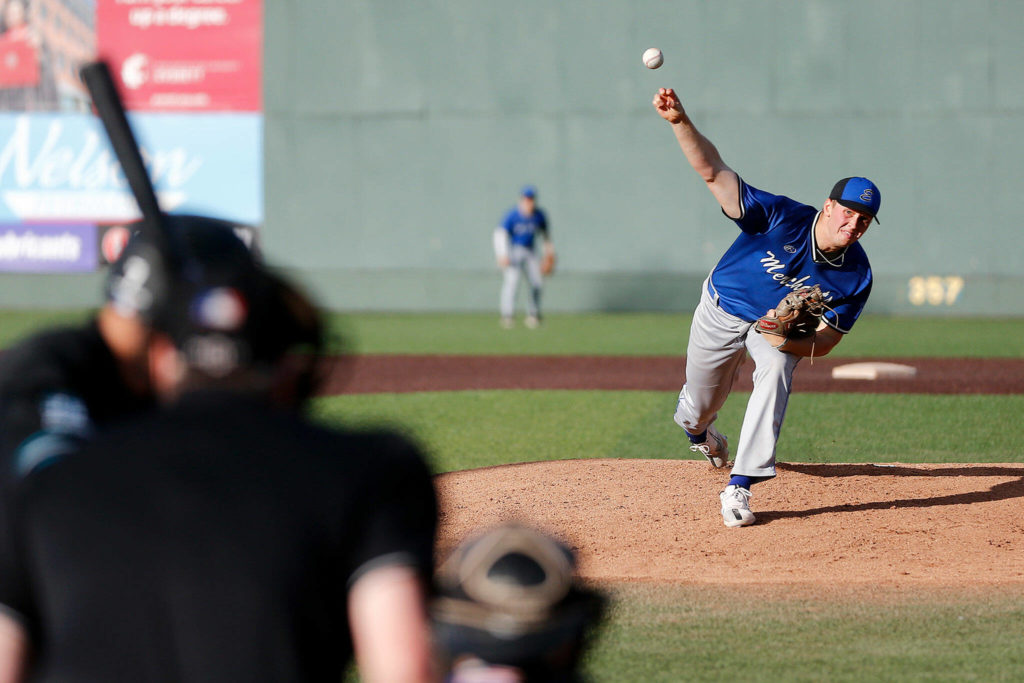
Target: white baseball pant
{"x": 718, "y": 345}
{"x": 521, "y": 259}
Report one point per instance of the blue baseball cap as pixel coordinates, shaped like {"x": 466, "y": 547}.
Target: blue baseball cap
{"x": 529, "y": 191}
{"x": 859, "y": 194}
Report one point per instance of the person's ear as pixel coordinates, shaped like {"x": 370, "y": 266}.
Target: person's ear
{"x": 826, "y": 210}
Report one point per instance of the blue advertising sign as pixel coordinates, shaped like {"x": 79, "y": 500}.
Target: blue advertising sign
{"x": 60, "y": 168}
{"x": 48, "y": 248}
{"x": 59, "y": 179}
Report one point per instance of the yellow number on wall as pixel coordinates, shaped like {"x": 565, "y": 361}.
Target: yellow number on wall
{"x": 934, "y": 290}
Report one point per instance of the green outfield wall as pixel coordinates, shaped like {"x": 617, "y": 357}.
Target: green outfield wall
{"x": 398, "y": 131}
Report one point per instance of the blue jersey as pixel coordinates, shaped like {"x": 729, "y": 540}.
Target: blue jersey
{"x": 523, "y": 229}
{"x": 776, "y": 253}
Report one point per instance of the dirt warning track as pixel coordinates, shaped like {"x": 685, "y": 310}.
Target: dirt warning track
{"x": 411, "y": 373}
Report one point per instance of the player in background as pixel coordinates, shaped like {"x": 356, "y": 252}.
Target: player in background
{"x": 224, "y": 537}
{"x": 783, "y": 245}
{"x": 515, "y": 249}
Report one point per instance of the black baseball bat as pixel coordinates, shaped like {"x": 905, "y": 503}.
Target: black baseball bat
{"x": 111, "y": 111}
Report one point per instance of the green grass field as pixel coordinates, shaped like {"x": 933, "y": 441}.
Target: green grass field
{"x": 686, "y": 633}
{"x": 608, "y": 334}
{"x": 655, "y": 334}
{"x": 463, "y": 430}
{"x": 659, "y": 633}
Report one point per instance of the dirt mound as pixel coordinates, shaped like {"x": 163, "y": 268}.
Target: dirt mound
{"x": 821, "y": 528}
{"x": 828, "y": 525}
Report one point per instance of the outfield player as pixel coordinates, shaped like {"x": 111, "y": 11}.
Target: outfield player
{"x": 783, "y": 245}
{"x": 515, "y": 249}
{"x": 224, "y": 537}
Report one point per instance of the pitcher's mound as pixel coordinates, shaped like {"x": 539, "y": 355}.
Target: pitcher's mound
{"x": 659, "y": 520}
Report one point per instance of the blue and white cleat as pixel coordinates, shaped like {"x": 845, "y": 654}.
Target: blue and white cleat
{"x": 735, "y": 506}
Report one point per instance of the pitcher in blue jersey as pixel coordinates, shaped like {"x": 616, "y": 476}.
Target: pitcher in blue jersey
{"x": 783, "y": 245}
{"x": 516, "y": 253}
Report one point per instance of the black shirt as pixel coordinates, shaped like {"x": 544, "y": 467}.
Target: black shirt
{"x": 213, "y": 541}
{"x": 56, "y": 389}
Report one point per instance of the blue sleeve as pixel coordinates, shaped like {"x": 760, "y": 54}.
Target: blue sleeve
{"x": 542, "y": 222}
{"x": 761, "y": 210}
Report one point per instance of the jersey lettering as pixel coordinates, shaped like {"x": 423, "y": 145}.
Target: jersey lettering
{"x": 523, "y": 230}
{"x": 772, "y": 266}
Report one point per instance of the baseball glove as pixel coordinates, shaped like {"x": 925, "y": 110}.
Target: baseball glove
{"x": 547, "y": 263}
{"x": 796, "y": 316}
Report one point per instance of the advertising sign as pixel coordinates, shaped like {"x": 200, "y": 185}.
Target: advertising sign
{"x": 190, "y": 74}
{"x": 48, "y": 248}
{"x": 60, "y": 167}
{"x": 184, "y": 55}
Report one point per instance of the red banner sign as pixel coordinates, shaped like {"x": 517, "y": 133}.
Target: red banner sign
{"x": 184, "y": 55}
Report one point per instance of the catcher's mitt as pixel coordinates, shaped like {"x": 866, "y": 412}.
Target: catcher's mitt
{"x": 547, "y": 263}
{"x": 796, "y": 316}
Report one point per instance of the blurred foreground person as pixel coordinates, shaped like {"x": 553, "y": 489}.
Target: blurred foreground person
{"x": 224, "y": 537}
{"x": 509, "y": 610}
{"x": 60, "y": 386}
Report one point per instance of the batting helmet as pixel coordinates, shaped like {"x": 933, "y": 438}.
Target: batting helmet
{"x": 141, "y": 279}
{"x": 215, "y": 299}
{"x": 509, "y": 597}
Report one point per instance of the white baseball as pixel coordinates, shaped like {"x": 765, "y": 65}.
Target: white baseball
{"x": 653, "y": 58}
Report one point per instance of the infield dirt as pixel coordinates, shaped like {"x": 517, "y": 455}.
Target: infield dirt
{"x": 829, "y": 525}
{"x": 821, "y": 526}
